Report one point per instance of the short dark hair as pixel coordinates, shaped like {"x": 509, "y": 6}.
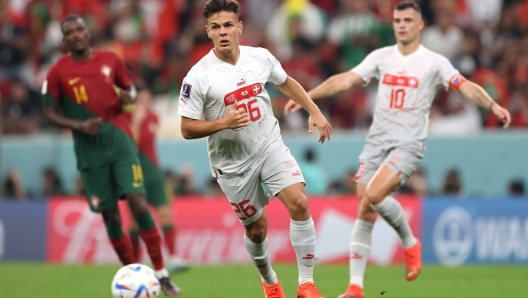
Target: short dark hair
{"x": 408, "y": 4}
{"x": 71, "y": 17}
{"x": 214, "y": 6}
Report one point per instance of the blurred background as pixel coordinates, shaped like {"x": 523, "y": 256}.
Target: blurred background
{"x": 471, "y": 163}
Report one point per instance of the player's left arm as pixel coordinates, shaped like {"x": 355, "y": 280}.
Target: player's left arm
{"x": 481, "y": 98}
{"x": 292, "y": 89}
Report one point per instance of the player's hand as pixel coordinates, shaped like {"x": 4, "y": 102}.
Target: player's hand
{"x": 291, "y": 107}
{"x": 124, "y": 96}
{"x": 91, "y": 126}
{"x": 502, "y": 114}
{"x": 325, "y": 129}
{"x": 236, "y": 118}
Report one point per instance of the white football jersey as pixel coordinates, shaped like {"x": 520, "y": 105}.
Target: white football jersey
{"x": 213, "y": 85}
{"x": 407, "y": 87}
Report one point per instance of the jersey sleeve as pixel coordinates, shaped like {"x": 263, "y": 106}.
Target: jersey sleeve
{"x": 191, "y": 101}
{"x": 277, "y": 74}
{"x": 51, "y": 87}
{"x": 447, "y": 72}
{"x": 368, "y": 68}
{"x": 122, "y": 75}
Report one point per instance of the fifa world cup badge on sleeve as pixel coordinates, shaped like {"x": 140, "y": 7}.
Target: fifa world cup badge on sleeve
{"x": 186, "y": 90}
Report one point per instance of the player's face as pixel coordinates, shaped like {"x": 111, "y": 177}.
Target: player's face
{"x": 407, "y": 25}
{"x": 224, "y": 28}
{"x": 75, "y": 35}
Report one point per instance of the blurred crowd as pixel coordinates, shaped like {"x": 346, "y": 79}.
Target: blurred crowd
{"x": 487, "y": 40}
{"x": 181, "y": 183}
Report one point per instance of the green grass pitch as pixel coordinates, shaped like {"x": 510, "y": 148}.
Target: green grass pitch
{"x": 27, "y": 280}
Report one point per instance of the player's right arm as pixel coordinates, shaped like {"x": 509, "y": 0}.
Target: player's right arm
{"x": 338, "y": 83}
{"x": 191, "y": 109}
{"x": 51, "y": 92}
{"x": 195, "y": 129}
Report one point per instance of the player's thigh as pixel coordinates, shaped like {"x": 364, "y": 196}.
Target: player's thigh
{"x": 280, "y": 170}
{"x": 405, "y": 160}
{"x": 128, "y": 175}
{"x": 245, "y": 194}
{"x": 99, "y": 187}
{"x": 154, "y": 183}
{"x": 370, "y": 160}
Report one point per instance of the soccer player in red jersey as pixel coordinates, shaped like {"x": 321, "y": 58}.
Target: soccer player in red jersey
{"x": 144, "y": 124}
{"x": 81, "y": 84}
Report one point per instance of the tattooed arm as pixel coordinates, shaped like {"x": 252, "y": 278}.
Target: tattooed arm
{"x": 481, "y": 98}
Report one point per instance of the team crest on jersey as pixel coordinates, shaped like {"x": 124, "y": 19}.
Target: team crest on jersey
{"x": 106, "y": 70}
{"x": 95, "y": 201}
{"x": 186, "y": 90}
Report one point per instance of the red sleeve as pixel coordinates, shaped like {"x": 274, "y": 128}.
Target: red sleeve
{"x": 51, "y": 88}
{"x": 122, "y": 78}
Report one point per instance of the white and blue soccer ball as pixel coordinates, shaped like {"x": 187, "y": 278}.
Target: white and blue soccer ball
{"x": 135, "y": 281}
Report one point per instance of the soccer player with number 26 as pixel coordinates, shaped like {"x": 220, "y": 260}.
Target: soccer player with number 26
{"x": 223, "y": 98}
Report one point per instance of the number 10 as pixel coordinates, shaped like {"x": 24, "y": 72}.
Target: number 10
{"x": 397, "y": 99}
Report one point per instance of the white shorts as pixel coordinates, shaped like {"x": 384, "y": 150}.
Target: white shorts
{"x": 277, "y": 170}
{"x": 403, "y": 160}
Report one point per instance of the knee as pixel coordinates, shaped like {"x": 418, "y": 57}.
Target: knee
{"x": 257, "y": 235}
{"x": 366, "y": 212}
{"x": 374, "y": 196}
{"x": 298, "y": 204}
{"x": 138, "y": 204}
{"x": 112, "y": 218}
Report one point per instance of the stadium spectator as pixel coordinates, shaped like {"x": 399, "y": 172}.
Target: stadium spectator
{"x": 14, "y": 186}
{"x": 452, "y": 184}
{"x": 22, "y": 110}
{"x": 355, "y": 30}
{"x": 51, "y": 183}
{"x": 516, "y": 188}
{"x": 314, "y": 176}
{"x": 416, "y": 184}
{"x": 14, "y": 44}
{"x": 293, "y": 19}
{"x": 444, "y": 37}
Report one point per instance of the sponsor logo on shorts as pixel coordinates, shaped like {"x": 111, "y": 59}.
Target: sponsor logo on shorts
{"x": 290, "y": 163}
{"x": 360, "y": 171}
{"x": 296, "y": 173}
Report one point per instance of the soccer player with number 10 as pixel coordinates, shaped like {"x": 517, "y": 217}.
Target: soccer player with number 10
{"x": 409, "y": 75}
{"x": 223, "y": 98}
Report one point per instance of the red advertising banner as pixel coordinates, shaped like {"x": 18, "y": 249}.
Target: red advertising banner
{"x": 209, "y": 232}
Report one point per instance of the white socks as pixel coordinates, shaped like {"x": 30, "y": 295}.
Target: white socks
{"x": 261, "y": 258}
{"x": 360, "y": 244}
{"x": 161, "y": 273}
{"x": 302, "y": 237}
{"x": 392, "y": 213}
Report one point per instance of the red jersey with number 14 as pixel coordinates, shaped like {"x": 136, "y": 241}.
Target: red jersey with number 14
{"x": 84, "y": 90}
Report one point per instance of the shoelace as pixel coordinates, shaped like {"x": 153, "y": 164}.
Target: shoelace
{"x": 411, "y": 256}
{"x": 273, "y": 293}
{"x": 311, "y": 289}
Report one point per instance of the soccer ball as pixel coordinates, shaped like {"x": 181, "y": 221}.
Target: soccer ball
{"x": 135, "y": 280}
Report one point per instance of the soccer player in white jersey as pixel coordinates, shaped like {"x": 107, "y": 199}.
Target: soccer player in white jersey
{"x": 409, "y": 76}
{"x": 223, "y": 98}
